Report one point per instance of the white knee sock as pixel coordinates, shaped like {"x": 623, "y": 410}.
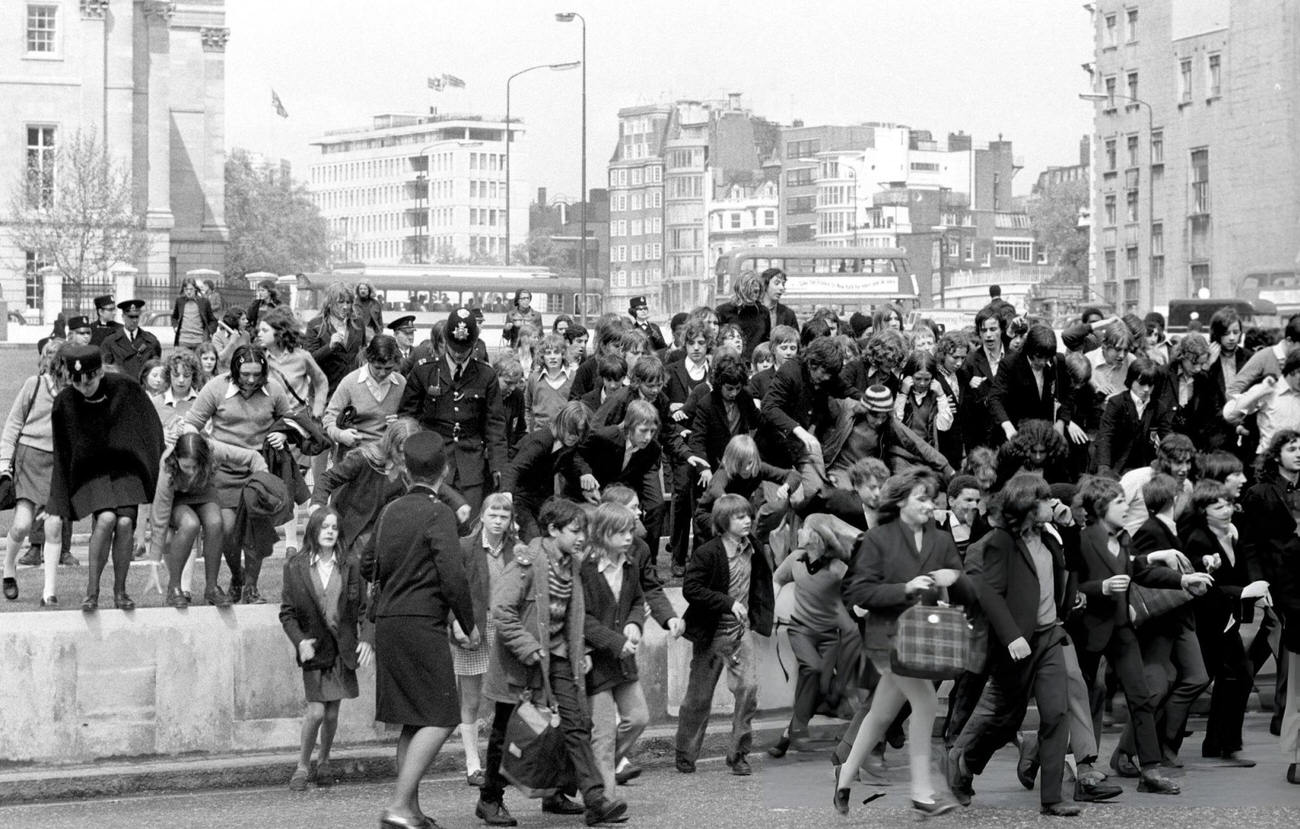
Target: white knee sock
{"x": 469, "y": 737}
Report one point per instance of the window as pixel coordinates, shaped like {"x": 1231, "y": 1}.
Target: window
{"x": 656, "y": 225}
{"x": 799, "y": 204}
{"x": 1185, "y": 81}
{"x": 1132, "y": 33}
{"x": 1110, "y": 292}
{"x": 40, "y": 165}
{"x": 637, "y": 174}
{"x": 1132, "y": 288}
{"x": 638, "y": 201}
{"x": 1157, "y": 147}
{"x": 41, "y": 20}
{"x": 1015, "y": 251}
{"x": 1133, "y": 88}
{"x": 1110, "y": 92}
{"x": 735, "y": 221}
{"x": 1132, "y": 151}
{"x": 654, "y": 174}
{"x": 1157, "y": 269}
{"x": 638, "y": 227}
{"x": 1109, "y": 258}
{"x": 1212, "y": 76}
{"x": 924, "y": 166}
{"x": 1131, "y": 262}
{"x": 620, "y": 279}
{"x": 1110, "y": 38}
{"x": 769, "y": 218}
{"x": 1199, "y": 238}
{"x": 1200, "y": 181}
{"x": 1110, "y": 154}
{"x": 636, "y": 253}
{"x": 658, "y": 201}
{"x": 35, "y": 283}
{"x": 1131, "y": 206}
{"x": 1157, "y": 239}
{"x": 802, "y": 149}
{"x": 1109, "y": 209}
{"x": 1200, "y": 277}
{"x": 799, "y": 178}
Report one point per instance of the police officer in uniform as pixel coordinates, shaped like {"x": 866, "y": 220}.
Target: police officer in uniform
{"x": 403, "y": 329}
{"x": 640, "y": 311}
{"x": 104, "y": 325}
{"x": 131, "y": 347}
{"x": 458, "y": 397}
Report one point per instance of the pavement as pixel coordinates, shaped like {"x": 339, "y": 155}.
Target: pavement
{"x": 791, "y": 793}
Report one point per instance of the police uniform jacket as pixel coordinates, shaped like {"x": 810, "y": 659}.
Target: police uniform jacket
{"x": 130, "y": 355}
{"x": 467, "y": 414}
{"x": 100, "y": 331}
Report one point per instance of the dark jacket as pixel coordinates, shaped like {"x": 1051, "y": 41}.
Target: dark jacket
{"x": 1215, "y": 432}
{"x": 130, "y": 355}
{"x": 530, "y": 475}
{"x": 709, "y": 430}
{"x": 205, "y": 314}
{"x": 679, "y": 384}
{"x": 1015, "y": 395}
{"x": 660, "y": 606}
{"x": 1152, "y": 536}
{"x": 1124, "y": 441}
{"x": 884, "y": 562}
{"x": 1222, "y": 602}
{"x": 706, "y": 586}
{"x": 1007, "y": 581}
{"x": 977, "y": 422}
{"x": 334, "y": 359}
{"x": 585, "y": 379}
{"x": 793, "y": 401}
{"x": 1271, "y": 550}
{"x": 1105, "y": 613}
{"x": 607, "y": 616}
{"x": 755, "y": 322}
{"x": 603, "y": 454}
{"x": 303, "y": 616}
{"x": 420, "y": 567}
{"x": 516, "y": 424}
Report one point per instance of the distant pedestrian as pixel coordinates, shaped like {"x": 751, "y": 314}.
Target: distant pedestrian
{"x": 192, "y": 316}
{"x": 321, "y": 612}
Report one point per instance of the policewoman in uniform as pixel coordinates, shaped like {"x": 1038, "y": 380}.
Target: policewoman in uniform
{"x": 639, "y": 308}
{"x": 130, "y": 347}
{"x": 104, "y": 325}
{"x": 458, "y": 397}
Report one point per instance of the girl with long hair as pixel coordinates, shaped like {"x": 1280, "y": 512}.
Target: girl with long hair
{"x": 742, "y": 472}
{"x": 27, "y": 458}
{"x": 904, "y": 561}
{"x": 192, "y": 317}
{"x": 921, "y": 404}
{"x": 321, "y": 613}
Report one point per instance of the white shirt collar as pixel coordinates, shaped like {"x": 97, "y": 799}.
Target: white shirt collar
{"x": 232, "y": 388}
{"x": 170, "y": 399}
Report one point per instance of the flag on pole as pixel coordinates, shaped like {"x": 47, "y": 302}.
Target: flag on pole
{"x": 436, "y": 84}
{"x": 279, "y": 107}
{"x": 453, "y": 81}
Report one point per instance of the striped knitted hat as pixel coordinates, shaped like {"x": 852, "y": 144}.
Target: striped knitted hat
{"x": 879, "y": 399}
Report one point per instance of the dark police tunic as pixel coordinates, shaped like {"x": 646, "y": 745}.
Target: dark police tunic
{"x": 130, "y": 355}
{"x": 467, "y": 414}
{"x": 100, "y": 331}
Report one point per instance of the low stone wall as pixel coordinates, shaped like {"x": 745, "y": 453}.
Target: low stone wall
{"x": 79, "y": 687}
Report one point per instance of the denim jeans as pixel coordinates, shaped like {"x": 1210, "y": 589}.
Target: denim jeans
{"x": 618, "y": 716}
{"x": 709, "y": 660}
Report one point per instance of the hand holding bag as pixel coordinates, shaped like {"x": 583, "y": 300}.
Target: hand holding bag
{"x": 1147, "y": 603}
{"x": 533, "y": 757}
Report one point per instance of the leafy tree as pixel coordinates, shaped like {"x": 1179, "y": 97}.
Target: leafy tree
{"x": 75, "y": 213}
{"x": 1054, "y": 217}
{"x": 274, "y": 225}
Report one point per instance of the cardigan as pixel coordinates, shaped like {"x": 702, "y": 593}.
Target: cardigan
{"x": 607, "y": 616}
{"x": 37, "y": 430}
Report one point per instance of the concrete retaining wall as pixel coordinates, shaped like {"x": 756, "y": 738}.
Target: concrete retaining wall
{"x": 157, "y": 681}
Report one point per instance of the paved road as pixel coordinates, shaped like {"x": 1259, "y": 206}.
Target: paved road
{"x": 792, "y": 793}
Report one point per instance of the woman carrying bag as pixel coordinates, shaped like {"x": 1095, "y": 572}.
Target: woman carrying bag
{"x": 905, "y": 560}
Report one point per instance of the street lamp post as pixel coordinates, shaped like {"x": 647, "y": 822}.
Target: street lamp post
{"x": 1102, "y": 97}
{"x": 853, "y": 174}
{"x": 557, "y": 67}
{"x": 568, "y": 17}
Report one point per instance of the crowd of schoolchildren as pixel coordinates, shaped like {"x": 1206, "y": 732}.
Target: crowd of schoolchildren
{"x": 490, "y": 530}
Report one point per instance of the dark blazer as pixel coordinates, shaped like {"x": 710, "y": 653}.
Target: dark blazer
{"x": 706, "y": 586}
{"x": 661, "y": 608}
{"x": 303, "y": 616}
{"x": 591, "y": 399}
{"x": 603, "y": 454}
{"x": 1015, "y": 395}
{"x": 585, "y": 379}
{"x": 420, "y": 567}
{"x": 1222, "y": 601}
{"x": 205, "y": 314}
{"x": 516, "y": 424}
{"x": 530, "y": 475}
{"x": 1215, "y": 431}
{"x": 977, "y": 423}
{"x": 1007, "y": 581}
{"x": 680, "y": 383}
{"x": 792, "y": 401}
{"x": 1123, "y": 442}
{"x": 335, "y": 360}
{"x": 884, "y": 562}
{"x": 1196, "y": 417}
{"x": 710, "y": 432}
{"x": 755, "y": 322}
{"x": 950, "y": 442}
{"x": 1152, "y": 536}
{"x": 1271, "y": 550}
{"x": 614, "y": 409}
{"x": 607, "y": 615}
{"x": 1104, "y": 614}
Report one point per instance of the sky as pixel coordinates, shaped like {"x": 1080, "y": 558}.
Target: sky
{"x": 990, "y": 67}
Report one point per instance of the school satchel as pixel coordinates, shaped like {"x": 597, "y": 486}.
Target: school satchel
{"x": 936, "y": 642}
{"x": 533, "y": 757}
{"x": 1146, "y": 603}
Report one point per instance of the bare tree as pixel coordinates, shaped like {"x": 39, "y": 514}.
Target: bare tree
{"x": 77, "y": 214}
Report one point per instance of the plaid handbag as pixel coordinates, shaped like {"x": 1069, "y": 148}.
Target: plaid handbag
{"x": 1146, "y": 603}
{"x": 936, "y": 642}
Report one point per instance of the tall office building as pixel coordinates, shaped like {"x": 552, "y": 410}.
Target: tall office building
{"x": 1196, "y": 178}
{"x": 147, "y": 79}
{"x": 421, "y": 188}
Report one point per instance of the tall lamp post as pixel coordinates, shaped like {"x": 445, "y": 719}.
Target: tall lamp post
{"x": 569, "y": 17}
{"x": 1103, "y": 97}
{"x": 557, "y": 67}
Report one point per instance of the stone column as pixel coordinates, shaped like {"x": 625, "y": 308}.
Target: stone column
{"x": 94, "y": 81}
{"x": 124, "y": 282}
{"x": 158, "y": 214}
{"x": 214, "y": 120}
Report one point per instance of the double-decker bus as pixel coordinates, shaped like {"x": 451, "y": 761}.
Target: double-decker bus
{"x": 846, "y": 279}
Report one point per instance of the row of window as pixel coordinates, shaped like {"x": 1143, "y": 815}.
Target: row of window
{"x": 1212, "y": 82}
{"x": 1198, "y": 197}
{"x": 1131, "y": 150}
{"x": 690, "y": 158}
{"x": 650, "y": 199}
{"x": 42, "y": 29}
{"x": 1111, "y": 28}
{"x": 638, "y": 277}
{"x": 636, "y": 227}
{"x": 635, "y": 176}
{"x": 686, "y": 187}
{"x": 735, "y": 220}
{"x": 636, "y": 253}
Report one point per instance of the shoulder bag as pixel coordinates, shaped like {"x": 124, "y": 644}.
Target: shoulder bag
{"x": 937, "y": 641}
